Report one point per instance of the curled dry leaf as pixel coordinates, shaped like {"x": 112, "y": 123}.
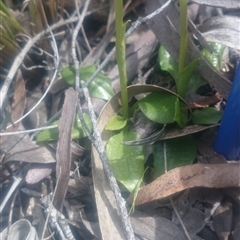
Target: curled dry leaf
{"x": 63, "y": 153}
{"x": 197, "y": 175}
{"x": 206, "y": 101}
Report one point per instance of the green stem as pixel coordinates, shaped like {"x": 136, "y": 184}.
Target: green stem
{"x": 121, "y": 55}
{"x": 183, "y": 36}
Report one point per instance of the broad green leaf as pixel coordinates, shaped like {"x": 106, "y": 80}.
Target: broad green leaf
{"x": 100, "y": 87}
{"x": 208, "y": 115}
{"x": 159, "y": 107}
{"x": 116, "y": 123}
{"x": 175, "y": 152}
{"x": 181, "y": 113}
{"x": 50, "y": 135}
{"x": 127, "y": 162}
{"x": 214, "y": 58}
{"x": 185, "y": 76}
{"x": 196, "y": 82}
{"x": 166, "y": 63}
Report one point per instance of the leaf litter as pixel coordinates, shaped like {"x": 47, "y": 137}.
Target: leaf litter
{"x": 195, "y": 189}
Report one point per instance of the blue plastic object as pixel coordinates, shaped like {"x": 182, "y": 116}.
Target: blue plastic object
{"x": 228, "y": 139}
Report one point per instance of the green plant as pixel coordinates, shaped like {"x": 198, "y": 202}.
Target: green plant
{"x": 121, "y": 55}
{"x": 164, "y": 108}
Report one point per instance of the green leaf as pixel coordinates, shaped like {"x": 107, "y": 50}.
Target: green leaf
{"x": 181, "y": 114}
{"x": 177, "y": 152}
{"x": 159, "y": 107}
{"x": 100, "y": 87}
{"x": 77, "y": 131}
{"x": 116, "y": 123}
{"x": 214, "y": 58}
{"x": 166, "y": 63}
{"x": 185, "y": 76}
{"x": 196, "y": 82}
{"x": 50, "y": 135}
{"x": 208, "y": 115}
{"x": 127, "y": 162}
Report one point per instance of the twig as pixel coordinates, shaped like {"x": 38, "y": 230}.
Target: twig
{"x": 28, "y": 131}
{"x": 97, "y": 142}
{"x": 134, "y": 26}
{"x": 74, "y": 39}
{"x": 16, "y": 181}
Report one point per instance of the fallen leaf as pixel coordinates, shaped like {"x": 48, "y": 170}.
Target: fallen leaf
{"x": 21, "y": 148}
{"x": 63, "y": 154}
{"x": 18, "y": 104}
{"x": 156, "y": 227}
{"x": 206, "y": 101}
{"x": 36, "y": 172}
{"x": 222, "y": 220}
{"x": 197, "y": 175}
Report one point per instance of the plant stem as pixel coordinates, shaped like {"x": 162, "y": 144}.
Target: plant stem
{"x": 183, "y": 36}
{"x": 121, "y": 55}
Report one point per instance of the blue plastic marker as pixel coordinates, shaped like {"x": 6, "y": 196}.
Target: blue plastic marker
{"x": 228, "y": 138}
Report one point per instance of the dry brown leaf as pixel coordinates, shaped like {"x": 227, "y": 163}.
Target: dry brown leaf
{"x": 220, "y": 3}
{"x": 156, "y": 227}
{"x": 36, "y": 172}
{"x": 63, "y": 154}
{"x": 21, "y": 148}
{"x": 197, "y": 175}
{"x": 206, "y": 101}
{"x": 222, "y": 220}
{"x": 19, "y": 98}
{"x": 19, "y": 103}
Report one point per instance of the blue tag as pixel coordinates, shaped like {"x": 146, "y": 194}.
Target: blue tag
{"x": 228, "y": 139}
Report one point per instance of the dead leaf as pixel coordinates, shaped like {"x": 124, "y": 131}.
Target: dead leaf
{"x": 219, "y": 3}
{"x": 222, "y": 220}
{"x": 63, "y": 153}
{"x": 195, "y": 208}
{"x": 21, "y": 148}
{"x": 206, "y": 101}
{"x": 197, "y": 175}
{"x": 37, "y": 172}
{"x": 18, "y": 104}
{"x": 156, "y": 227}
{"x": 236, "y": 232}
{"x": 233, "y": 193}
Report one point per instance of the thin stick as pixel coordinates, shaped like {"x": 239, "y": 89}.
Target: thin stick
{"x": 74, "y": 40}
{"x": 97, "y": 142}
{"x": 28, "y": 131}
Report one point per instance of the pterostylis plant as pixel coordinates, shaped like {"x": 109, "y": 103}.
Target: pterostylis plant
{"x": 166, "y": 108}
